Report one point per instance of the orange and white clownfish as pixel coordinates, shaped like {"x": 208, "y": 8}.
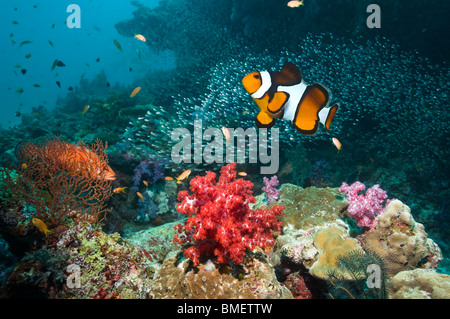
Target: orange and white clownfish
{"x": 284, "y": 95}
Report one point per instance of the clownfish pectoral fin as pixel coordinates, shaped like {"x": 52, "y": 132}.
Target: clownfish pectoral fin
{"x": 326, "y": 115}
{"x": 306, "y": 119}
{"x": 278, "y": 101}
{"x": 289, "y": 75}
{"x": 264, "y": 120}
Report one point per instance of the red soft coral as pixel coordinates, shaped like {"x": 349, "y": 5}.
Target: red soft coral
{"x": 220, "y": 221}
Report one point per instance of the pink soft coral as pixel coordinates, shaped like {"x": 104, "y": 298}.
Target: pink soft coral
{"x": 269, "y": 188}
{"x": 220, "y": 221}
{"x": 363, "y": 208}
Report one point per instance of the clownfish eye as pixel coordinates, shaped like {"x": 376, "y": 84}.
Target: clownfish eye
{"x": 257, "y": 76}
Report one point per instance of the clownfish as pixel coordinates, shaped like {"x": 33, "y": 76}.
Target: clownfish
{"x": 284, "y": 95}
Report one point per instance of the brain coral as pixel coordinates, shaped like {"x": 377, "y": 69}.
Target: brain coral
{"x": 400, "y": 241}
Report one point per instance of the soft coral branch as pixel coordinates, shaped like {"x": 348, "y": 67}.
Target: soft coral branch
{"x": 363, "y": 208}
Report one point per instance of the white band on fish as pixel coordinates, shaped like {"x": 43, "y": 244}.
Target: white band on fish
{"x": 295, "y": 94}
{"x": 266, "y": 83}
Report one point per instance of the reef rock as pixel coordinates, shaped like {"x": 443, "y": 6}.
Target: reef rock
{"x": 81, "y": 262}
{"x": 419, "y": 284}
{"x": 156, "y": 242}
{"x": 401, "y": 241}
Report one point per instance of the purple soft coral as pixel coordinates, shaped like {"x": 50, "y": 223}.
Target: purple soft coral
{"x": 152, "y": 168}
{"x": 270, "y": 189}
{"x": 363, "y": 208}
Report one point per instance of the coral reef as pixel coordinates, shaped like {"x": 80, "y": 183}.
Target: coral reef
{"x": 419, "y": 284}
{"x": 255, "y": 281}
{"x": 401, "y": 241}
{"x": 108, "y": 267}
{"x": 392, "y": 84}
{"x": 220, "y": 222}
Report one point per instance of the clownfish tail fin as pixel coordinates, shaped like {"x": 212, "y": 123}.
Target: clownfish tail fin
{"x": 327, "y": 114}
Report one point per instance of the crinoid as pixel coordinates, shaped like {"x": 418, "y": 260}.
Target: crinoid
{"x": 368, "y": 277}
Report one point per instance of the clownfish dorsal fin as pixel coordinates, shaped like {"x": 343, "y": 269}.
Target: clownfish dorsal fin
{"x": 290, "y": 74}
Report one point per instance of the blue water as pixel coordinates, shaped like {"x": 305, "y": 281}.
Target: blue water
{"x": 77, "y": 48}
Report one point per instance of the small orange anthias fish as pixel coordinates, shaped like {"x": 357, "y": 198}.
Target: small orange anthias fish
{"x": 168, "y": 178}
{"x": 145, "y": 183}
{"x": 85, "y": 109}
{"x": 41, "y": 226}
{"x": 140, "y": 195}
{"x": 226, "y": 133}
{"x": 140, "y": 37}
{"x": 295, "y": 3}
{"x": 77, "y": 160}
{"x": 242, "y": 174}
{"x": 135, "y": 91}
{"x": 183, "y": 176}
{"x": 336, "y": 143}
{"x": 119, "y": 190}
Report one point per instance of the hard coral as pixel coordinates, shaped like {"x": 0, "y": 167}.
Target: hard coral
{"x": 419, "y": 284}
{"x": 309, "y": 207}
{"x": 401, "y": 241}
{"x": 220, "y": 221}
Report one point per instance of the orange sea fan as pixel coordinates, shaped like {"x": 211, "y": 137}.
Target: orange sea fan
{"x": 62, "y": 180}
{"x": 77, "y": 160}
